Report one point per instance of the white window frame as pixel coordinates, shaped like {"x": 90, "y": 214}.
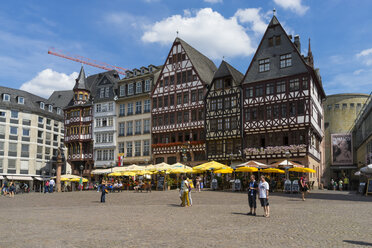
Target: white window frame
{"x": 50, "y": 108}
{"x": 139, "y": 87}
{"x": 130, "y": 89}
{"x": 42, "y": 105}
{"x": 6, "y": 98}
{"x": 21, "y": 100}
{"x": 122, "y": 90}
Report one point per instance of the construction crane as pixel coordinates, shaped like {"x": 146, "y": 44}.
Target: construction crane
{"x": 87, "y": 61}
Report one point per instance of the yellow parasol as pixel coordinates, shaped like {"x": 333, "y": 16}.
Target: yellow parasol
{"x": 224, "y": 171}
{"x": 115, "y": 174}
{"x": 179, "y": 171}
{"x": 273, "y": 170}
{"x": 143, "y": 172}
{"x": 303, "y": 170}
{"x": 78, "y": 180}
{"x": 246, "y": 169}
{"x": 128, "y": 173}
{"x": 212, "y": 165}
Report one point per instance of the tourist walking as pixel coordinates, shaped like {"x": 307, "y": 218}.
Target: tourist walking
{"x": 51, "y": 185}
{"x": 4, "y": 188}
{"x": 104, "y": 191}
{"x": 264, "y": 196}
{"x": 190, "y": 187}
{"x": 303, "y": 187}
{"x": 12, "y": 190}
{"x": 46, "y": 186}
{"x": 346, "y": 183}
{"x": 252, "y": 195}
{"x": 340, "y": 184}
{"x": 198, "y": 179}
{"x": 185, "y": 192}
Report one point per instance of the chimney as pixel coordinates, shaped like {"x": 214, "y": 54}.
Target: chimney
{"x": 297, "y": 42}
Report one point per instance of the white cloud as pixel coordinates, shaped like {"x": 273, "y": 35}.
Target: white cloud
{"x": 365, "y": 56}
{"x": 293, "y": 5}
{"x": 48, "y": 81}
{"x": 253, "y": 17}
{"x": 209, "y": 31}
{"x": 213, "y": 1}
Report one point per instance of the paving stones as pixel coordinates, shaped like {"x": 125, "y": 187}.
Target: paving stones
{"x": 217, "y": 219}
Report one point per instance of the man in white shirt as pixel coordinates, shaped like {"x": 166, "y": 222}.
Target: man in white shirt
{"x": 51, "y": 185}
{"x": 264, "y": 196}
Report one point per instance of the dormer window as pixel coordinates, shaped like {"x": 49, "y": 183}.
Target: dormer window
{"x": 21, "y": 100}
{"x": 150, "y": 68}
{"x": 142, "y": 71}
{"x": 58, "y": 111}
{"x": 135, "y": 72}
{"x": 81, "y": 96}
{"x": 128, "y": 74}
{"x": 42, "y": 105}
{"x": 6, "y": 98}
{"x": 50, "y": 108}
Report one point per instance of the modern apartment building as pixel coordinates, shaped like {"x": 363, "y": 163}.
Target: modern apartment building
{"x": 31, "y": 131}
{"x": 133, "y": 108}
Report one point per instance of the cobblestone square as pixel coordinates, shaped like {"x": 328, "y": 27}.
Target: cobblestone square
{"x": 217, "y": 219}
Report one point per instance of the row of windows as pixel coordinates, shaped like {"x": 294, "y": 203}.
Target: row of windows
{"x": 178, "y": 57}
{"x": 105, "y": 122}
{"x": 179, "y": 78}
{"x": 178, "y": 137}
{"x": 104, "y": 155}
{"x": 135, "y": 88}
{"x": 14, "y": 114}
{"x": 344, "y": 105}
{"x": 138, "y": 110}
{"x": 77, "y": 130}
{"x": 12, "y": 147}
{"x": 182, "y": 117}
{"x": 285, "y": 61}
{"x": 226, "y": 102}
{"x": 277, "y": 87}
{"x": 179, "y": 98}
{"x": 228, "y": 123}
{"x": 142, "y": 71}
{"x": 104, "y": 107}
{"x": 21, "y": 100}
{"x": 226, "y": 147}
{"x": 104, "y": 137}
{"x": 138, "y": 150}
{"x": 275, "y": 111}
{"x": 137, "y": 127}
{"x": 276, "y": 139}
{"x": 223, "y": 84}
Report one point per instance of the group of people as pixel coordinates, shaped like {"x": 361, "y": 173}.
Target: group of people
{"x": 340, "y": 184}
{"x": 185, "y": 191}
{"x": 8, "y": 189}
{"x": 263, "y": 194}
{"x": 49, "y": 186}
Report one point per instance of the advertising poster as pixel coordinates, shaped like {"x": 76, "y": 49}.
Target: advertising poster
{"x": 342, "y": 152}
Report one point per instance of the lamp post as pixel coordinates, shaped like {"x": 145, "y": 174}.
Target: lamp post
{"x": 81, "y": 177}
{"x": 43, "y": 173}
{"x": 59, "y": 168}
{"x": 287, "y": 155}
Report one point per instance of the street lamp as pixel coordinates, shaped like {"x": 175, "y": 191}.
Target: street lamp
{"x": 43, "y": 173}
{"x": 81, "y": 176}
{"x": 287, "y": 155}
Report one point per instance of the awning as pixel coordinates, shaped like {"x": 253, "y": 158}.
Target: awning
{"x": 39, "y": 178}
{"x": 19, "y": 178}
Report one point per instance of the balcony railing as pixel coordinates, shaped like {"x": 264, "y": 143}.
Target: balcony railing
{"x": 78, "y": 137}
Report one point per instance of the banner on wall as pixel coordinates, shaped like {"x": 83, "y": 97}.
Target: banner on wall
{"x": 120, "y": 159}
{"x": 341, "y": 149}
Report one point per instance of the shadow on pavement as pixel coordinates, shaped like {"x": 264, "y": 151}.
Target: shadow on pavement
{"x": 327, "y": 195}
{"x": 358, "y": 242}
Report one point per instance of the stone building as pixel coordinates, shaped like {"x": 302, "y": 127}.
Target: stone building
{"x": 340, "y": 114}
{"x": 133, "y": 108}
{"x": 31, "y": 131}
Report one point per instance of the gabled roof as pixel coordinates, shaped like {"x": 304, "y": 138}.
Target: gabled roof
{"x": 81, "y": 81}
{"x": 225, "y": 69}
{"x": 286, "y": 46}
{"x": 60, "y": 98}
{"x": 203, "y": 65}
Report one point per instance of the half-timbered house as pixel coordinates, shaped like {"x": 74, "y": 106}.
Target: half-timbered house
{"x": 282, "y": 102}
{"x": 178, "y": 107}
{"x": 223, "y": 115}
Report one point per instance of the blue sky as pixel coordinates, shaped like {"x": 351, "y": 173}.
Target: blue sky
{"x": 137, "y": 33}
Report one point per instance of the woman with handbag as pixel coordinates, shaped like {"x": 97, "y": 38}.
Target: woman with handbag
{"x": 303, "y": 187}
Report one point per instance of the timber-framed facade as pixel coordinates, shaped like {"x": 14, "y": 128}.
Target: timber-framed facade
{"x": 178, "y": 107}
{"x": 223, "y": 123}
{"x": 282, "y": 106}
